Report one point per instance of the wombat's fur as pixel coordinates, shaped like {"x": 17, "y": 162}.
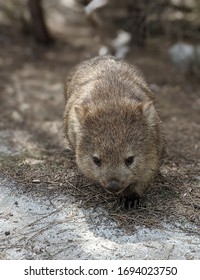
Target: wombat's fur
{"x": 111, "y": 123}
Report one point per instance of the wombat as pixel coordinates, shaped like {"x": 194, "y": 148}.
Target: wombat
{"x": 112, "y": 125}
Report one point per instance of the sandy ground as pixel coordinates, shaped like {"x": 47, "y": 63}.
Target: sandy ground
{"x": 35, "y": 227}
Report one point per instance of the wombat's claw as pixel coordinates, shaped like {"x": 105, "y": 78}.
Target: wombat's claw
{"x": 130, "y": 203}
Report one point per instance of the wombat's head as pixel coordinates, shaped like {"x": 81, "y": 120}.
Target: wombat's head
{"x": 115, "y": 143}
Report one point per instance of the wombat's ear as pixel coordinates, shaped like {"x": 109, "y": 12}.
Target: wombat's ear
{"x": 149, "y": 112}
{"x": 81, "y": 111}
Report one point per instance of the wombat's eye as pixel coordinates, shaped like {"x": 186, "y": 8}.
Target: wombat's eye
{"x": 128, "y": 161}
{"x": 97, "y": 161}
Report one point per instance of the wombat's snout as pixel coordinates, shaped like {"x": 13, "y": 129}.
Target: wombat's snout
{"x": 113, "y": 186}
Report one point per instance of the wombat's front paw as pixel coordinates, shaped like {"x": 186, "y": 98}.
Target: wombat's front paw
{"x": 131, "y": 202}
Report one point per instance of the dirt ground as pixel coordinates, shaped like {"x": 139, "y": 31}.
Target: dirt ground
{"x": 34, "y": 154}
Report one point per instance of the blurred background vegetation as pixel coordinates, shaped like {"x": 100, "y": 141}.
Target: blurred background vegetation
{"x": 46, "y": 20}
{"x": 108, "y": 26}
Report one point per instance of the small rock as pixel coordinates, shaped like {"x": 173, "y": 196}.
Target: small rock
{"x": 185, "y": 56}
{"x": 16, "y": 116}
{"x": 154, "y": 87}
{"x": 36, "y": 181}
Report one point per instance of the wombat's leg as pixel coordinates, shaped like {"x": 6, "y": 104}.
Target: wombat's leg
{"x": 132, "y": 201}
{"x": 133, "y": 194}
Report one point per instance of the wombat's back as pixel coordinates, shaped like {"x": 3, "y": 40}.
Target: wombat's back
{"x": 100, "y": 75}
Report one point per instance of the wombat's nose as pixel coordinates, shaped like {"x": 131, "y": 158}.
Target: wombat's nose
{"x": 113, "y": 186}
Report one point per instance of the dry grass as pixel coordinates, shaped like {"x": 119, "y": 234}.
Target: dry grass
{"x": 172, "y": 198}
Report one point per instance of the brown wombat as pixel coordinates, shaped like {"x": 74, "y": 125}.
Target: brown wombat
{"x": 112, "y": 125}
